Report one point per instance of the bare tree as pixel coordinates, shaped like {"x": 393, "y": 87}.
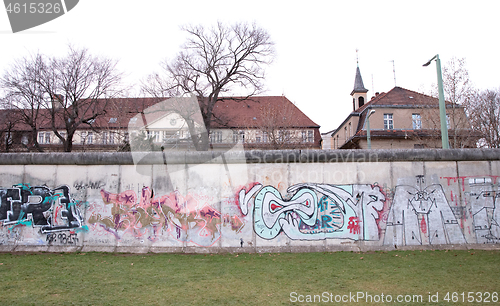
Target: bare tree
{"x": 484, "y": 112}
{"x": 79, "y": 85}
{"x": 10, "y": 133}
{"x": 21, "y": 84}
{"x": 215, "y": 61}
{"x": 64, "y": 93}
{"x": 278, "y": 122}
{"x": 458, "y": 92}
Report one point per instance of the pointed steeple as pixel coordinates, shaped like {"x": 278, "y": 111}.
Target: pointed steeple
{"x": 358, "y": 94}
{"x": 359, "y": 87}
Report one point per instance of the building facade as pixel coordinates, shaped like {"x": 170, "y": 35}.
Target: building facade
{"x": 398, "y": 119}
{"x": 259, "y": 122}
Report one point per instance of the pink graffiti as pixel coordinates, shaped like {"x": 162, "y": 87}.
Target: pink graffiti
{"x": 185, "y": 218}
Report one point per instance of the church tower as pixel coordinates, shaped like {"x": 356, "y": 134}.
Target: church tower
{"x": 358, "y": 94}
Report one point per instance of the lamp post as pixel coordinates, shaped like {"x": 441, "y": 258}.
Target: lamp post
{"x": 442, "y": 107}
{"x": 368, "y": 138}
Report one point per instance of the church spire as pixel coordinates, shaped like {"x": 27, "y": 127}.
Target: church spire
{"x": 359, "y": 87}
{"x": 358, "y": 94}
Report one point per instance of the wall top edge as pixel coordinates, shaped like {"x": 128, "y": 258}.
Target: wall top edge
{"x": 253, "y": 156}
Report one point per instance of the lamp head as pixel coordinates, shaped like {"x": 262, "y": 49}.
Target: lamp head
{"x": 429, "y": 62}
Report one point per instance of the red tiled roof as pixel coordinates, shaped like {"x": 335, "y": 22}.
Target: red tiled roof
{"x": 251, "y": 112}
{"x": 229, "y": 112}
{"x": 401, "y": 97}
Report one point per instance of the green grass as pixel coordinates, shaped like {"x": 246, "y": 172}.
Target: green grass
{"x": 241, "y": 279}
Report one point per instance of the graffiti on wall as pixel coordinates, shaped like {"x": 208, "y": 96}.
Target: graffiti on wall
{"x": 418, "y": 210}
{"x": 315, "y": 211}
{"x": 420, "y": 215}
{"x": 50, "y": 210}
{"x": 484, "y": 198}
{"x": 185, "y": 218}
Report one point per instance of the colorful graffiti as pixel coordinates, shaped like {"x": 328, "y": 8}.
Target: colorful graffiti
{"x": 418, "y": 210}
{"x": 51, "y": 210}
{"x": 186, "y": 219}
{"x": 315, "y": 211}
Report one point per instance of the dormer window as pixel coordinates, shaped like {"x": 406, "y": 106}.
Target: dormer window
{"x": 112, "y": 120}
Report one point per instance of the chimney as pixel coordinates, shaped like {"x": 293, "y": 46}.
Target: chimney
{"x": 56, "y": 100}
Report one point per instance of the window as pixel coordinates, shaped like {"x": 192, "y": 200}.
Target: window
{"x": 104, "y": 137}
{"x": 310, "y": 136}
{"x": 154, "y": 136}
{"x": 265, "y": 137}
{"x": 182, "y": 134}
{"x": 242, "y": 137}
{"x": 307, "y": 136}
{"x": 216, "y": 136}
{"x": 388, "y": 122}
{"x": 235, "y": 136}
{"x": 361, "y": 101}
{"x": 257, "y": 139}
{"x": 284, "y": 136}
{"x": 448, "y": 121}
{"x": 113, "y": 120}
{"x": 63, "y": 135}
{"x": 108, "y": 138}
{"x": 83, "y": 136}
{"x": 417, "y": 121}
{"x": 90, "y": 138}
{"x": 111, "y": 137}
{"x": 44, "y": 137}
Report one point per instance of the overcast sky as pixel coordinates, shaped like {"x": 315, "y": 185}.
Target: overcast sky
{"x": 316, "y": 42}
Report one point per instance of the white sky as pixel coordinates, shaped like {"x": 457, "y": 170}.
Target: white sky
{"x": 316, "y": 42}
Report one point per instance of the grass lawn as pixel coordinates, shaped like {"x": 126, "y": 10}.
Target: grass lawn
{"x": 249, "y": 279}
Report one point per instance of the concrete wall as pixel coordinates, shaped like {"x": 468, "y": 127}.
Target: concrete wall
{"x": 250, "y": 201}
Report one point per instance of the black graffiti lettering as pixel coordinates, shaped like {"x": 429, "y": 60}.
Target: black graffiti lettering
{"x": 90, "y": 185}
{"x": 62, "y": 238}
{"x": 23, "y": 203}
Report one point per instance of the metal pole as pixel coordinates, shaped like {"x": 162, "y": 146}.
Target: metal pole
{"x": 442, "y": 106}
{"x": 368, "y": 138}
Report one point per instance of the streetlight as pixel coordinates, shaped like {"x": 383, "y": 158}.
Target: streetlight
{"x": 368, "y": 138}
{"x": 442, "y": 108}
